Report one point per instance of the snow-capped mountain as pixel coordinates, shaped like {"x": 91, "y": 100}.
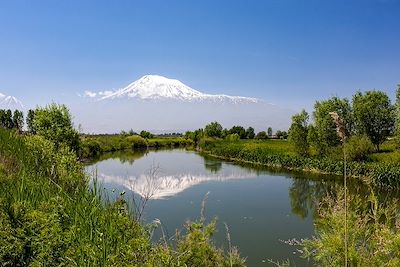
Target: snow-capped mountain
{"x": 160, "y": 104}
{"x": 155, "y": 87}
{"x": 10, "y": 102}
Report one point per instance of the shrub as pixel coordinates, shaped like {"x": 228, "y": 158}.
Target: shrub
{"x": 136, "y": 141}
{"x": 54, "y": 123}
{"x": 262, "y": 135}
{"x": 358, "y": 147}
{"x": 232, "y": 137}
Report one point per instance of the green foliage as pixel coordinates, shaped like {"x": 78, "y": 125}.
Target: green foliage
{"x": 358, "y": 147}
{"x": 373, "y": 236}
{"x": 324, "y": 134}
{"x": 18, "y": 120}
{"x": 95, "y": 145}
{"x": 146, "y": 134}
{"x": 213, "y": 129}
{"x": 397, "y": 115}
{"x": 29, "y": 121}
{"x": 6, "y": 119}
{"x": 374, "y": 115}
{"x": 54, "y": 123}
{"x": 261, "y": 135}
{"x": 232, "y": 137}
{"x": 298, "y": 133}
{"x": 282, "y": 154}
{"x": 269, "y": 131}
{"x": 195, "y": 136}
{"x": 250, "y": 133}
{"x": 281, "y": 134}
{"x": 238, "y": 130}
{"x": 196, "y": 249}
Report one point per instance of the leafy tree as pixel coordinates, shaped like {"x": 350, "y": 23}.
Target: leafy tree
{"x": 298, "y": 132}
{"x": 374, "y": 115}
{"x": 238, "y": 130}
{"x": 18, "y": 120}
{"x": 29, "y": 121}
{"x": 250, "y": 133}
{"x": 398, "y": 115}
{"x": 261, "y": 135}
{"x": 224, "y": 133}
{"x": 269, "y": 131}
{"x": 2, "y": 118}
{"x": 8, "y": 122}
{"x": 132, "y": 132}
{"x": 54, "y": 123}
{"x": 281, "y": 134}
{"x": 324, "y": 136}
{"x": 213, "y": 129}
{"x": 146, "y": 134}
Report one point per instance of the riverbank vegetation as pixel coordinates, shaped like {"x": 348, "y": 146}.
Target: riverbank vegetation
{"x": 94, "y": 145}
{"x": 50, "y": 216}
{"x": 371, "y": 126}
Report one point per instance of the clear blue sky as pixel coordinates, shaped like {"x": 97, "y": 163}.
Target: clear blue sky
{"x": 286, "y": 52}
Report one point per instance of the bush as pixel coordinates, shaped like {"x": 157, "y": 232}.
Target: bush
{"x": 136, "y": 141}
{"x": 261, "y": 135}
{"x": 232, "y": 137}
{"x": 54, "y": 123}
{"x": 358, "y": 147}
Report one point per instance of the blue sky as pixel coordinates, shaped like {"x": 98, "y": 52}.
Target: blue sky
{"x": 286, "y": 52}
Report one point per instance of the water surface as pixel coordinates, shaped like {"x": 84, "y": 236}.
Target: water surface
{"x": 262, "y": 208}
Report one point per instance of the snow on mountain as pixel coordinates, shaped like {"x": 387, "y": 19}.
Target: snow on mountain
{"x": 160, "y": 104}
{"x": 10, "y": 102}
{"x": 151, "y": 87}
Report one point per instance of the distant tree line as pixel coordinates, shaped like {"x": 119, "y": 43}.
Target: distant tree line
{"x": 369, "y": 119}
{"x": 11, "y": 120}
{"x": 215, "y": 130}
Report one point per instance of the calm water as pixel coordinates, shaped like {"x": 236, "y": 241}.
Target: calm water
{"x": 261, "y": 207}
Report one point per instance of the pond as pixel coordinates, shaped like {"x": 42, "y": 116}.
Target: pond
{"x": 262, "y": 208}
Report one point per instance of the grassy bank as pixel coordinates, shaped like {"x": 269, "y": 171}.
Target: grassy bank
{"x": 94, "y": 145}
{"x": 49, "y": 216}
{"x": 280, "y": 153}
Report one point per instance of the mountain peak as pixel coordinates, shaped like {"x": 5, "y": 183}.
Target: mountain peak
{"x": 10, "y": 102}
{"x": 153, "y": 87}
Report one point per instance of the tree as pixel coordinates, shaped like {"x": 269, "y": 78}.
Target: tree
{"x": 298, "y": 132}
{"x": 250, "y": 133}
{"x": 374, "y": 115}
{"x": 238, "y": 130}
{"x": 213, "y": 129}
{"x": 281, "y": 134}
{"x": 29, "y": 121}
{"x": 261, "y": 135}
{"x": 269, "y": 131}
{"x": 54, "y": 123}
{"x": 323, "y": 135}
{"x": 18, "y": 120}
{"x": 146, "y": 134}
{"x": 2, "y": 118}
